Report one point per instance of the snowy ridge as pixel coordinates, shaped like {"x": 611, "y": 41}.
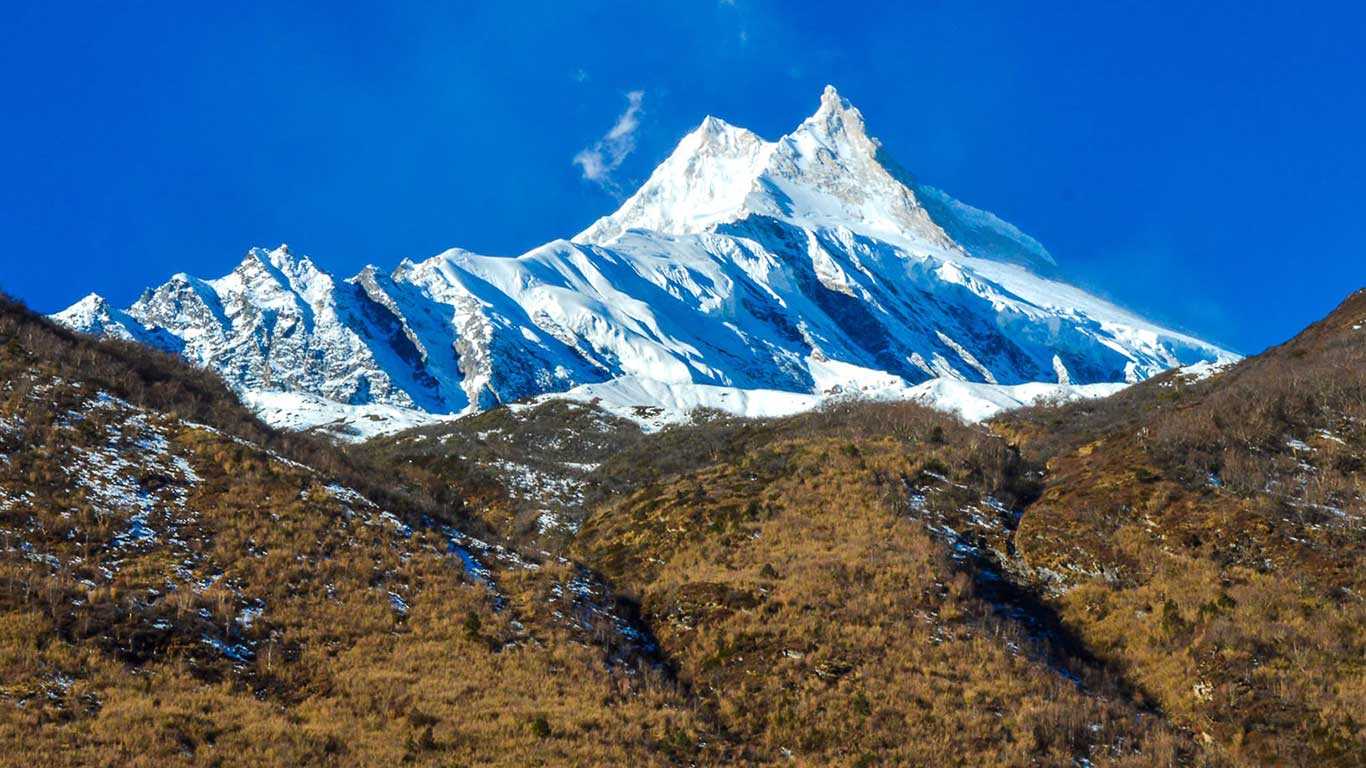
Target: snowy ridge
{"x": 756, "y": 276}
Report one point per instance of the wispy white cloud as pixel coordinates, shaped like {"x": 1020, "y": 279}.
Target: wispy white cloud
{"x": 599, "y": 161}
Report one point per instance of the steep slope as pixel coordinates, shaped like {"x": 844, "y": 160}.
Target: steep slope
{"x": 810, "y": 265}
{"x": 799, "y": 573}
{"x": 1205, "y": 531}
{"x": 173, "y": 592}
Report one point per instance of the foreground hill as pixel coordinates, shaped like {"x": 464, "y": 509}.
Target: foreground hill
{"x": 183, "y": 591}
{"x": 805, "y": 577}
{"x": 749, "y": 275}
{"x": 175, "y": 592}
{"x": 1169, "y": 576}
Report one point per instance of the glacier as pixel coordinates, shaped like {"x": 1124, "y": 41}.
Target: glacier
{"x": 754, "y": 276}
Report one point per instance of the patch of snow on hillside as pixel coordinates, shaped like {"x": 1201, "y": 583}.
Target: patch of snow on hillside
{"x": 976, "y": 402}
{"x": 110, "y": 473}
{"x": 353, "y": 423}
{"x": 1202, "y": 371}
{"x": 656, "y": 404}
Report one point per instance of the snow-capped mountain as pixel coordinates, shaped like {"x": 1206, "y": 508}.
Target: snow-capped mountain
{"x": 807, "y": 265}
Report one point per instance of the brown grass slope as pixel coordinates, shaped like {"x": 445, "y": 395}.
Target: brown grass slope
{"x": 797, "y": 573}
{"x": 1207, "y": 537}
{"x": 1167, "y": 577}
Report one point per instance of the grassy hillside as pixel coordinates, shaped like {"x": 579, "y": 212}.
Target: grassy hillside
{"x": 172, "y": 593}
{"x": 1170, "y": 576}
{"x": 1207, "y": 538}
{"x": 804, "y": 577}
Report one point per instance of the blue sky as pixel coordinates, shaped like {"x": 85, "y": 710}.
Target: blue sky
{"x": 1201, "y": 163}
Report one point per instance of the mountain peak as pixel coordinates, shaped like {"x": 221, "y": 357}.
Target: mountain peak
{"x": 838, "y": 122}
{"x": 88, "y": 315}
{"x": 712, "y": 126}
{"x": 716, "y": 175}
{"x": 255, "y": 259}
{"x": 279, "y": 264}
{"x": 285, "y": 260}
{"x": 91, "y": 301}
{"x": 713, "y": 133}
{"x": 278, "y": 258}
{"x": 703, "y": 181}
{"x": 94, "y": 315}
{"x": 832, "y": 101}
